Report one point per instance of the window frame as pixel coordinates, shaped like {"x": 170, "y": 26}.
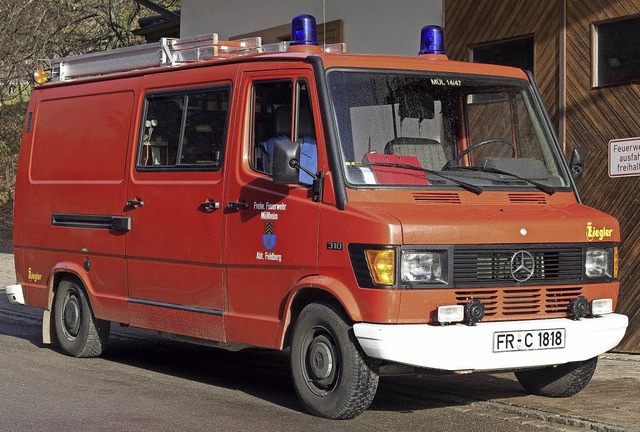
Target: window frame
{"x": 184, "y": 92}
{"x": 253, "y": 145}
{"x": 523, "y": 38}
{"x": 296, "y": 83}
{"x": 595, "y": 42}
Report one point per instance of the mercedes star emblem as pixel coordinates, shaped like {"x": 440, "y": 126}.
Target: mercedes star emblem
{"x": 522, "y": 266}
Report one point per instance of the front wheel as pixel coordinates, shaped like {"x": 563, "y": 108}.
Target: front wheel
{"x": 558, "y": 381}
{"x": 79, "y": 333}
{"x": 331, "y": 374}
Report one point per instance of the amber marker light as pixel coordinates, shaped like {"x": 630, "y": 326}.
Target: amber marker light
{"x": 40, "y": 76}
{"x": 382, "y": 264}
{"x": 615, "y": 262}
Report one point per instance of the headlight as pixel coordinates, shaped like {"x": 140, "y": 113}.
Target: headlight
{"x": 598, "y": 263}
{"x": 423, "y": 267}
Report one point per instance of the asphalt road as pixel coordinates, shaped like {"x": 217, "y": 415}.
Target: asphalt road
{"x": 146, "y": 383}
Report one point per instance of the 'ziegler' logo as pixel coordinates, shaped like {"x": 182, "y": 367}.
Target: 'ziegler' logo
{"x": 595, "y": 233}
{"x": 33, "y": 277}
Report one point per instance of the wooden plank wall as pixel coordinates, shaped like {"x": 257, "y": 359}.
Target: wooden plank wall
{"x": 593, "y": 116}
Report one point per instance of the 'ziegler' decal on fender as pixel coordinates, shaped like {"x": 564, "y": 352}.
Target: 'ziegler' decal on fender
{"x": 598, "y": 234}
{"x": 33, "y": 277}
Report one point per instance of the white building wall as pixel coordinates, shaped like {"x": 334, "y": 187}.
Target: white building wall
{"x": 370, "y": 26}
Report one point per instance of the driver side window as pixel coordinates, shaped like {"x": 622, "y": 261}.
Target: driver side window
{"x": 282, "y": 111}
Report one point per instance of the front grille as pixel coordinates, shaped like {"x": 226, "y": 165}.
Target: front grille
{"x": 492, "y": 266}
{"x": 513, "y": 303}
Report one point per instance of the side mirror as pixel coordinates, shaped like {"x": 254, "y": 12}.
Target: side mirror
{"x": 286, "y": 162}
{"x": 577, "y": 163}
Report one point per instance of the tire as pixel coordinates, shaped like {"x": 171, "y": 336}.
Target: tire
{"x": 558, "y": 381}
{"x": 78, "y": 332}
{"x": 331, "y": 374}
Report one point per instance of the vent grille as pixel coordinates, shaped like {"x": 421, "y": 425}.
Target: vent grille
{"x": 436, "y": 197}
{"x": 493, "y": 266}
{"x": 521, "y": 198}
{"x": 521, "y": 302}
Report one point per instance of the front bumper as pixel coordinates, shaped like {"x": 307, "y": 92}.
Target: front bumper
{"x": 15, "y": 294}
{"x": 460, "y": 347}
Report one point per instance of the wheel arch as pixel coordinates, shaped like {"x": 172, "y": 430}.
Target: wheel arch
{"x": 68, "y": 270}
{"x": 309, "y": 290}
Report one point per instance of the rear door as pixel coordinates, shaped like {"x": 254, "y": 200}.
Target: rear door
{"x": 271, "y": 230}
{"x": 174, "y": 246}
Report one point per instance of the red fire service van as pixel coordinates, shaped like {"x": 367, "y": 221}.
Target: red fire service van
{"x": 368, "y": 213}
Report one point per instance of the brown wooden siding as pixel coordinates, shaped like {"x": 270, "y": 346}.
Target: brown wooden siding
{"x": 593, "y": 116}
{"x": 472, "y": 22}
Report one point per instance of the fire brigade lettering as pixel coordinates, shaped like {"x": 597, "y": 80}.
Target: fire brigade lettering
{"x": 599, "y": 234}
{"x": 33, "y": 277}
{"x": 265, "y": 215}
{"x": 269, "y": 206}
{"x": 268, "y": 256}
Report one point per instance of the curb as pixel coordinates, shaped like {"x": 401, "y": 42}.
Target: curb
{"x": 531, "y": 413}
{"x": 539, "y": 415}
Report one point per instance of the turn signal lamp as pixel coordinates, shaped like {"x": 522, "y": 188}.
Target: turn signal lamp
{"x": 616, "y": 261}
{"x": 303, "y": 30}
{"x": 382, "y": 264}
{"x": 40, "y": 76}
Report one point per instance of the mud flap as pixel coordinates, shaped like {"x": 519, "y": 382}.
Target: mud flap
{"x": 46, "y": 327}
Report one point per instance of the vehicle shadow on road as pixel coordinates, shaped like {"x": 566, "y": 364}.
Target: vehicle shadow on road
{"x": 265, "y": 374}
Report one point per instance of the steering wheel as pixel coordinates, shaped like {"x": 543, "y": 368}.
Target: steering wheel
{"x": 473, "y": 147}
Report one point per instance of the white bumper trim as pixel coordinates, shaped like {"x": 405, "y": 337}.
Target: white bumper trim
{"x": 461, "y": 347}
{"x": 15, "y": 294}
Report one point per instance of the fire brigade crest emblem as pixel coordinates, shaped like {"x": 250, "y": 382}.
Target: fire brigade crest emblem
{"x": 269, "y": 238}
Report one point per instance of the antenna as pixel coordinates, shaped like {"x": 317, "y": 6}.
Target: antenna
{"x": 324, "y": 25}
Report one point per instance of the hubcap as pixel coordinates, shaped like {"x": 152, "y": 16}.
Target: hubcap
{"x": 71, "y": 316}
{"x": 321, "y": 361}
{"x": 320, "y": 358}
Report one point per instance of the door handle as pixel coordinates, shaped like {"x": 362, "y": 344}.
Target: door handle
{"x": 210, "y": 205}
{"x": 135, "y": 203}
{"x": 237, "y": 205}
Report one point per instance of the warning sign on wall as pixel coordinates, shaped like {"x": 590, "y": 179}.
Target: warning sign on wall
{"x": 624, "y": 157}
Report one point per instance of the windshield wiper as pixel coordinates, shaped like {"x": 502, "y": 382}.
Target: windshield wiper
{"x": 544, "y": 188}
{"x": 464, "y": 185}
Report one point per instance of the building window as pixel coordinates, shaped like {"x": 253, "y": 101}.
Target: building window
{"x": 513, "y": 52}
{"x": 616, "y": 52}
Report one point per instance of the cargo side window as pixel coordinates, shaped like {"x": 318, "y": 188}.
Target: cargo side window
{"x": 273, "y": 118}
{"x": 184, "y": 131}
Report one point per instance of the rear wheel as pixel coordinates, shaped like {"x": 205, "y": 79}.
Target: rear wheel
{"x": 332, "y": 376}
{"x": 558, "y": 381}
{"x": 78, "y": 332}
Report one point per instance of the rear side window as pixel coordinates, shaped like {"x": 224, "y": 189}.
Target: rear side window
{"x": 184, "y": 131}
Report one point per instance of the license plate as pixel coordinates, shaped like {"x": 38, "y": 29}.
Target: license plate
{"x": 528, "y": 340}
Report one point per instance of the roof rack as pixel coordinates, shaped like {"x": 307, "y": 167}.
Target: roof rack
{"x": 167, "y": 52}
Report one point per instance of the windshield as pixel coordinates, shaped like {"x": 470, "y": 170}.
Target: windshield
{"x": 442, "y": 131}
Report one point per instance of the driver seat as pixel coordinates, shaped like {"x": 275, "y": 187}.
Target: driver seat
{"x": 428, "y": 151}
